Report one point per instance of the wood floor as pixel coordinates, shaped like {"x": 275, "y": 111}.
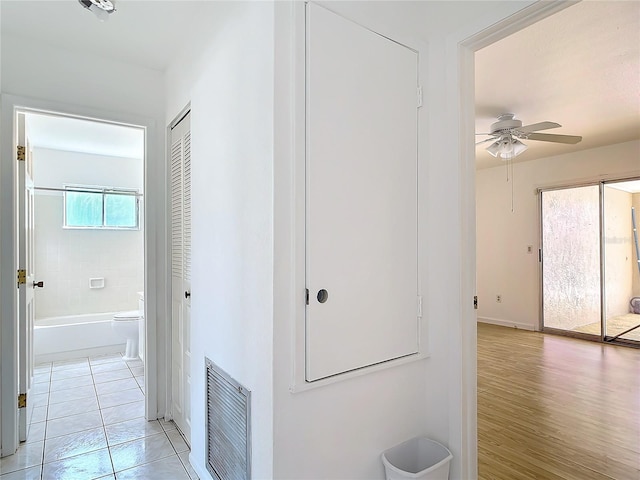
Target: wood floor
{"x": 552, "y": 407}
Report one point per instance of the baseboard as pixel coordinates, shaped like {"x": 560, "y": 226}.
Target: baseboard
{"x": 507, "y": 323}
{"x": 202, "y": 472}
{"x": 85, "y": 352}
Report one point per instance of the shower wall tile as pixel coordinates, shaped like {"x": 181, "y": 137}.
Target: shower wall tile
{"x": 65, "y": 260}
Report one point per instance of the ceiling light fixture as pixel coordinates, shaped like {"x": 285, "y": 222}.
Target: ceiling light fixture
{"x": 506, "y": 147}
{"x": 100, "y": 8}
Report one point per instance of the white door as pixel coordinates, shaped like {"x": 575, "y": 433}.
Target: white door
{"x": 361, "y": 229}
{"x": 27, "y": 282}
{"x": 180, "y": 179}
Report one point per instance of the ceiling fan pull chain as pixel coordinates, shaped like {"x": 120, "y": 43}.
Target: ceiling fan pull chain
{"x": 511, "y": 166}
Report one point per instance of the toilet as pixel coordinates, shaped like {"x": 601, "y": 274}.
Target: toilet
{"x": 125, "y": 324}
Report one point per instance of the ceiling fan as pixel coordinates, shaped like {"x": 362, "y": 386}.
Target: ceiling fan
{"x": 507, "y": 132}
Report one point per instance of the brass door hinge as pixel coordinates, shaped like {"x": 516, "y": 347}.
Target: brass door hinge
{"x": 20, "y": 153}
{"x": 22, "y": 400}
{"x": 22, "y": 277}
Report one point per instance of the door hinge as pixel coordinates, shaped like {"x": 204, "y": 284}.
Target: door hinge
{"x": 22, "y": 277}
{"x": 419, "y": 306}
{"x": 20, "y": 153}
{"x": 306, "y": 297}
{"x": 475, "y": 302}
{"x": 419, "y": 97}
{"x": 22, "y": 400}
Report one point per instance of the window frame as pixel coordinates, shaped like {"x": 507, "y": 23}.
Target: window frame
{"x": 103, "y": 192}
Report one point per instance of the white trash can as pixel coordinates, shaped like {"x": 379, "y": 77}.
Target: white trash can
{"x": 419, "y": 458}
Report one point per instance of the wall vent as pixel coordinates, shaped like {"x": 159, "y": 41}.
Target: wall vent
{"x": 228, "y": 426}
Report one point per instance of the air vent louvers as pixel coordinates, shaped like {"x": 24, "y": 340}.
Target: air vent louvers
{"x": 228, "y": 426}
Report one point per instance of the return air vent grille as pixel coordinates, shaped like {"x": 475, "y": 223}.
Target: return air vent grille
{"x": 228, "y": 426}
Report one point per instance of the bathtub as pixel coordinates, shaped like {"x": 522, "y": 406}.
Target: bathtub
{"x": 73, "y": 336}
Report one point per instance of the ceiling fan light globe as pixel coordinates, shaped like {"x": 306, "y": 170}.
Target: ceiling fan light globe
{"x": 518, "y": 147}
{"x": 494, "y": 148}
{"x": 99, "y": 13}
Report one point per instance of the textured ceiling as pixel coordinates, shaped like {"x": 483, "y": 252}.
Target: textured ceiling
{"x": 579, "y": 68}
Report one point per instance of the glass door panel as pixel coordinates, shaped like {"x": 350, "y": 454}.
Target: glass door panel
{"x": 571, "y": 259}
{"x": 622, "y": 270}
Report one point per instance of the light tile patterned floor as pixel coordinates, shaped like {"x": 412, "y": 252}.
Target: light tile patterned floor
{"x": 88, "y": 423}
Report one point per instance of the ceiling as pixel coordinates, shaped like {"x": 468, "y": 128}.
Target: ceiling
{"x": 579, "y": 68}
{"x": 145, "y": 33}
{"x": 78, "y": 135}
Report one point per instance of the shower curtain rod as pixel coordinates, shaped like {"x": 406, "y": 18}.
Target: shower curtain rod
{"x": 88, "y": 190}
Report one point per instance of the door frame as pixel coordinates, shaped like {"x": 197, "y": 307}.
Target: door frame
{"x": 9, "y": 262}
{"x": 459, "y": 130}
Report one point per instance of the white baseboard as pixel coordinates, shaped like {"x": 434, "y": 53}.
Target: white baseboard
{"x": 85, "y": 352}
{"x": 507, "y": 323}
{"x": 202, "y": 472}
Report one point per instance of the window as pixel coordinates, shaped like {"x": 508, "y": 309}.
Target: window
{"x": 100, "y": 207}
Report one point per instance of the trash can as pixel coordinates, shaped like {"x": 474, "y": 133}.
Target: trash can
{"x": 419, "y": 458}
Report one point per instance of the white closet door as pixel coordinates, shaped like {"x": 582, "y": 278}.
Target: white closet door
{"x": 361, "y": 230}
{"x": 180, "y": 180}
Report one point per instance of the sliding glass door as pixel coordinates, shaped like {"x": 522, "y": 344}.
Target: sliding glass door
{"x": 621, "y": 201}
{"x": 590, "y": 270}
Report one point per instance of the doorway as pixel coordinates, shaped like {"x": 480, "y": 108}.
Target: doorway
{"x": 88, "y": 248}
{"x": 590, "y": 270}
{"x": 99, "y": 206}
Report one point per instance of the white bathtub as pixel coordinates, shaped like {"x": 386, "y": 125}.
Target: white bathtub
{"x": 73, "y": 336}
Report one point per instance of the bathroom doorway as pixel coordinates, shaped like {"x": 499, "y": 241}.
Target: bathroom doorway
{"x": 87, "y": 255}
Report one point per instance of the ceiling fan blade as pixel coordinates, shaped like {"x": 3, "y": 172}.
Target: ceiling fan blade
{"x": 492, "y": 139}
{"x": 534, "y": 127}
{"x": 549, "y": 137}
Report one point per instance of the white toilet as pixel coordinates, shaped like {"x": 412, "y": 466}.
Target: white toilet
{"x": 125, "y": 324}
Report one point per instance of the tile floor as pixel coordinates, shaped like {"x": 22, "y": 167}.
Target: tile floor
{"x": 88, "y": 423}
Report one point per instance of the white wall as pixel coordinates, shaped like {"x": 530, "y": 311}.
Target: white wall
{"x": 228, "y": 78}
{"x": 38, "y": 70}
{"x": 504, "y": 267}
{"x": 65, "y": 259}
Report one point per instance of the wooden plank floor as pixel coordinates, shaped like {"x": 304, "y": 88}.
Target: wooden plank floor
{"x": 552, "y": 407}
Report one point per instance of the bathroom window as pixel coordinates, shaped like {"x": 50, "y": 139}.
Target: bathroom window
{"x": 101, "y": 208}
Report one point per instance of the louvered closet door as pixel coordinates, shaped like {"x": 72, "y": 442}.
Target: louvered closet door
{"x": 181, "y": 275}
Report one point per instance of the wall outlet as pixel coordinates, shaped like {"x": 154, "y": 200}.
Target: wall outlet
{"x": 499, "y": 298}
{"x": 529, "y": 249}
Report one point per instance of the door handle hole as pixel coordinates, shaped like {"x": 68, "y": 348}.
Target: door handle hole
{"x": 323, "y": 296}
